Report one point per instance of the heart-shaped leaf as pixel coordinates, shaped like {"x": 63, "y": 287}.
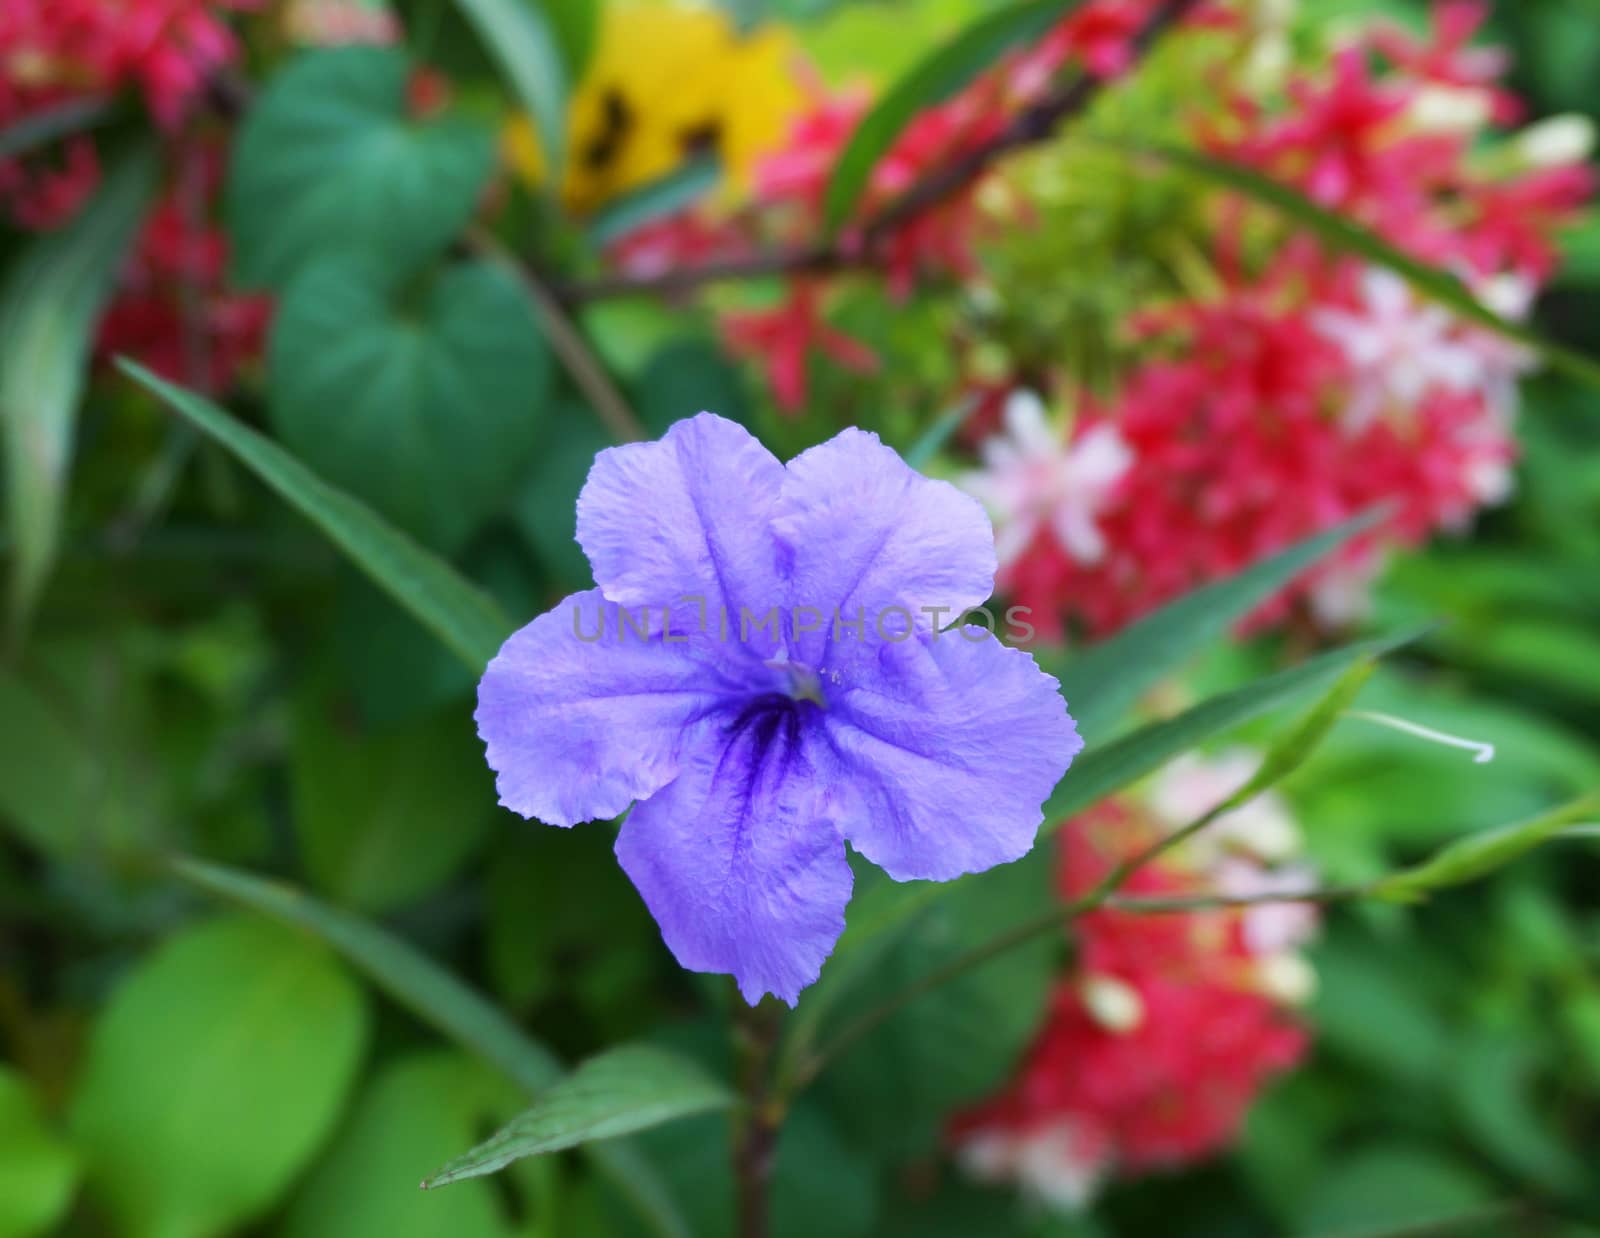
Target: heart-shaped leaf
{"x": 329, "y": 162}
{"x": 426, "y": 402}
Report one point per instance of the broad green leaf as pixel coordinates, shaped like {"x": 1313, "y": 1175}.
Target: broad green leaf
{"x": 49, "y": 124}
{"x": 443, "y": 1002}
{"x": 426, "y": 403}
{"x": 49, "y": 305}
{"x": 383, "y": 817}
{"x": 623, "y": 1090}
{"x": 1493, "y": 1080}
{"x": 398, "y": 968}
{"x": 935, "y": 79}
{"x": 455, "y": 611}
{"x": 576, "y": 25}
{"x": 1477, "y": 855}
{"x": 1345, "y": 234}
{"x": 38, "y": 1169}
{"x": 545, "y": 511}
{"x": 1396, "y": 1187}
{"x": 521, "y": 38}
{"x": 219, "y": 1066}
{"x": 328, "y": 163}
{"x": 1110, "y": 767}
{"x": 1101, "y": 683}
{"x": 414, "y": 1113}
{"x": 675, "y": 191}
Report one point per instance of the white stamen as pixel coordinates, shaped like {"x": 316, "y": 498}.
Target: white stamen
{"x": 1482, "y": 753}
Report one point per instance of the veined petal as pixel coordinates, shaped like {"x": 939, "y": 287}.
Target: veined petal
{"x": 688, "y": 515}
{"x": 738, "y": 859}
{"x": 577, "y": 726}
{"x": 868, "y": 532}
{"x": 951, "y": 748}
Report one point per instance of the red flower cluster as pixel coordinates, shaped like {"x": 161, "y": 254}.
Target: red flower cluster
{"x": 173, "y": 311}
{"x": 1155, "y": 1043}
{"x": 56, "y": 51}
{"x": 1313, "y": 388}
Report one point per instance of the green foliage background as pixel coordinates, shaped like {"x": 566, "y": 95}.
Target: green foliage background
{"x": 206, "y": 676}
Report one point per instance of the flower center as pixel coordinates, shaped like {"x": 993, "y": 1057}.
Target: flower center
{"x": 803, "y": 683}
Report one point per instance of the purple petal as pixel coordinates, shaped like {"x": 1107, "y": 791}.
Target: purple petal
{"x": 868, "y": 531}
{"x": 579, "y": 729}
{"x": 688, "y": 515}
{"x": 951, "y": 746}
{"x": 739, "y": 860}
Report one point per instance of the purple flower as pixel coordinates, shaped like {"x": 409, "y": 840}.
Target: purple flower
{"x": 758, "y": 676}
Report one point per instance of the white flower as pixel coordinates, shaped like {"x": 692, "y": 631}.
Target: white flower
{"x": 1556, "y": 141}
{"x": 1031, "y": 480}
{"x": 1397, "y": 349}
{"x": 1446, "y": 109}
{"x": 1193, "y": 785}
{"x": 1114, "y": 1004}
{"x": 1060, "y": 1164}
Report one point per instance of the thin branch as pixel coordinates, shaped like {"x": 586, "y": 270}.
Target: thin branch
{"x": 756, "y": 1034}
{"x": 1029, "y": 127}
{"x": 584, "y": 368}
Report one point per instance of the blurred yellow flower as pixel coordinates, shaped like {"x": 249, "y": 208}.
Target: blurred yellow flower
{"x": 667, "y": 81}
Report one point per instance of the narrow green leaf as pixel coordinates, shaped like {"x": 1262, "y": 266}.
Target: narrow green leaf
{"x": 40, "y": 128}
{"x": 1290, "y": 750}
{"x": 1101, "y": 771}
{"x": 933, "y": 80}
{"x": 933, "y": 439}
{"x": 1347, "y": 235}
{"x": 520, "y": 37}
{"x": 1106, "y": 679}
{"x": 623, "y": 1090}
{"x": 443, "y": 1002}
{"x": 457, "y": 612}
{"x": 678, "y": 189}
{"x": 49, "y": 306}
{"x": 1477, "y": 855}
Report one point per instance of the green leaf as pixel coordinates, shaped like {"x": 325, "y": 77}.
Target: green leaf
{"x": 48, "y": 124}
{"x": 399, "y": 969}
{"x": 457, "y": 612}
{"x": 414, "y": 1113}
{"x": 933, "y": 80}
{"x": 1290, "y": 750}
{"x": 1110, "y": 767}
{"x": 821, "y": 1184}
{"x": 444, "y": 1003}
{"x": 49, "y": 305}
{"x": 896, "y": 1085}
{"x": 385, "y": 817}
{"x": 427, "y": 404}
{"x": 1345, "y": 234}
{"x": 1477, "y": 855}
{"x": 680, "y": 188}
{"x": 38, "y": 1170}
{"x": 1103, "y": 682}
{"x": 623, "y": 1090}
{"x": 219, "y": 1066}
{"x": 932, "y": 440}
{"x": 329, "y": 163}
{"x": 1396, "y": 1187}
{"x": 576, "y": 25}
{"x": 519, "y": 35}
